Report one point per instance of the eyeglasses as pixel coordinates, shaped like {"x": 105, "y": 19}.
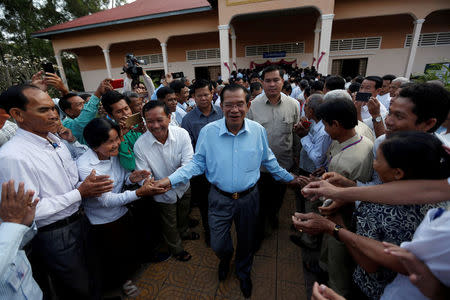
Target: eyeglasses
{"x": 232, "y": 105}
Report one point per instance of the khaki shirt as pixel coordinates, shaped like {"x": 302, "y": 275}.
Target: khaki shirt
{"x": 353, "y": 162}
{"x": 364, "y": 130}
{"x": 278, "y": 120}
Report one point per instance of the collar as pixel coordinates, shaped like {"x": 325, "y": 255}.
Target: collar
{"x": 181, "y": 106}
{"x": 266, "y": 100}
{"x": 92, "y": 157}
{"x": 224, "y": 130}
{"x": 351, "y": 140}
{"x": 170, "y": 136}
{"x": 37, "y": 140}
{"x": 199, "y": 113}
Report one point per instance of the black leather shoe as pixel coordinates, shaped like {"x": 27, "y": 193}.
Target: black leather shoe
{"x": 246, "y": 287}
{"x": 224, "y": 268}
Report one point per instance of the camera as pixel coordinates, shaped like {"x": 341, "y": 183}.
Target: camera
{"x": 131, "y": 68}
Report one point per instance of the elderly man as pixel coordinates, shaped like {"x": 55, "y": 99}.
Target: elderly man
{"x": 230, "y": 152}
{"x": 38, "y": 158}
{"x": 278, "y": 114}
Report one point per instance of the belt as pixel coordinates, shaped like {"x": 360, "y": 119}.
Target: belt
{"x": 61, "y": 223}
{"x": 235, "y": 196}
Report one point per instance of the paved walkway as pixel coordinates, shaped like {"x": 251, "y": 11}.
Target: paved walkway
{"x": 277, "y": 270}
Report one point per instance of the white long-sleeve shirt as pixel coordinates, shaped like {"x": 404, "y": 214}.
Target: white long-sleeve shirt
{"x": 314, "y": 147}
{"x": 164, "y": 159}
{"x": 47, "y": 169}
{"x": 16, "y": 277}
{"x": 109, "y": 206}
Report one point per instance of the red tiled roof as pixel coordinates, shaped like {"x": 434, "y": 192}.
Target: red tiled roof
{"x": 134, "y": 11}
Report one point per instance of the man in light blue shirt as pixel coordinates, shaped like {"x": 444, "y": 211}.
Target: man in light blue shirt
{"x": 16, "y": 215}
{"x": 230, "y": 151}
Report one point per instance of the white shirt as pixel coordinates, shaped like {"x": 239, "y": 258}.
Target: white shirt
{"x": 431, "y": 244}
{"x": 367, "y": 117}
{"x": 296, "y": 91}
{"x": 173, "y": 119}
{"x": 164, "y": 159}
{"x": 180, "y": 113}
{"x": 7, "y": 131}
{"x": 385, "y": 100}
{"x": 50, "y": 172}
{"x": 109, "y": 206}
{"x": 314, "y": 147}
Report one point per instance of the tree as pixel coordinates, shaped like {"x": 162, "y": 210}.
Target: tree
{"x": 20, "y": 53}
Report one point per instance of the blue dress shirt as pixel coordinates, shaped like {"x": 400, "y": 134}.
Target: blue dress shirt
{"x": 180, "y": 112}
{"x": 231, "y": 162}
{"x": 195, "y": 120}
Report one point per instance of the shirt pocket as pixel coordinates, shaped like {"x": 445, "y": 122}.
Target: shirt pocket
{"x": 286, "y": 124}
{"x": 17, "y": 272}
{"x": 250, "y": 159}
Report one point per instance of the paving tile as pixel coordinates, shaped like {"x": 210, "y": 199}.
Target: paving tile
{"x": 290, "y": 291}
{"x": 265, "y": 267}
{"x": 181, "y": 274}
{"x": 263, "y": 288}
{"x": 170, "y": 292}
{"x": 289, "y": 270}
{"x": 205, "y": 280}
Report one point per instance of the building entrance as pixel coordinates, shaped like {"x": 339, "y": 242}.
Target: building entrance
{"x": 349, "y": 67}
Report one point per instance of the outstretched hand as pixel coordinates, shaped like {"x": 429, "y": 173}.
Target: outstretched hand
{"x": 17, "y": 207}
{"x": 95, "y": 186}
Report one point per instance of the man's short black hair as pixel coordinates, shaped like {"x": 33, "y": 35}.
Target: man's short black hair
{"x": 354, "y": 87}
{"x": 389, "y": 77}
{"x": 287, "y": 86}
{"x": 64, "y": 103}
{"x": 163, "y": 92}
{"x": 255, "y": 86}
{"x": 377, "y": 79}
{"x": 234, "y": 87}
{"x": 111, "y": 97}
{"x": 201, "y": 83}
{"x": 430, "y": 101}
{"x": 177, "y": 86}
{"x": 358, "y": 79}
{"x": 303, "y": 83}
{"x": 341, "y": 110}
{"x": 335, "y": 83}
{"x": 85, "y": 96}
{"x": 13, "y": 97}
{"x": 317, "y": 85}
{"x": 272, "y": 68}
{"x": 97, "y": 131}
{"x": 152, "y": 104}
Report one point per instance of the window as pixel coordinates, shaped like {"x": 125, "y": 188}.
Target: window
{"x": 203, "y": 54}
{"x": 289, "y": 48}
{"x": 430, "y": 39}
{"x": 356, "y": 44}
{"x": 151, "y": 59}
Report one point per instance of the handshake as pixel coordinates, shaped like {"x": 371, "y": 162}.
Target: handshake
{"x": 151, "y": 187}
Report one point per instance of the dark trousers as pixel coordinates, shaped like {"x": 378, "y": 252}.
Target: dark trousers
{"x": 271, "y": 198}
{"x": 145, "y": 221}
{"x": 222, "y": 212}
{"x": 112, "y": 247}
{"x": 61, "y": 255}
{"x": 199, "y": 192}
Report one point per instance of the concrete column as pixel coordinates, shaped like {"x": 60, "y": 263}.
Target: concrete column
{"x": 413, "y": 48}
{"x": 61, "y": 68}
{"x": 224, "y": 51}
{"x": 233, "y": 48}
{"x": 164, "y": 55}
{"x": 316, "y": 39}
{"x": 108, "y": 62}
{"x": 325, "y": 39}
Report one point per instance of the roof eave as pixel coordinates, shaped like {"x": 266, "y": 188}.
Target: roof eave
{"x": 123, "y": 21}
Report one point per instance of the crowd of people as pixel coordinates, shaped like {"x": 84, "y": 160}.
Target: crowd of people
{"x": 94, "y": 185}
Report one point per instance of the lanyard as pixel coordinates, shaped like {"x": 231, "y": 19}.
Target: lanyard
{"x": 346, "y": 147}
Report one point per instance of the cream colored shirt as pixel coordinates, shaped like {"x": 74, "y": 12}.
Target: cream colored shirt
{"x": 352, "y": 158}
{"x": 278, "y": 120}
{"x": 365, "y": 130}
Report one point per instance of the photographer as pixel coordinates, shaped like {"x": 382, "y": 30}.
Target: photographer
{"x": 134, "y": 71}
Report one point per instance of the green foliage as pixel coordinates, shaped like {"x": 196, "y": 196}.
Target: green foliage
{"x": 20, "y": 54}
{"x": 438, "y": 71}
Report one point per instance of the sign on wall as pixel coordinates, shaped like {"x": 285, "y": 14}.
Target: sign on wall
{"x": 274, "y": 54}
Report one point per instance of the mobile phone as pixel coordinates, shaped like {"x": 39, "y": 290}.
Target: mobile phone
{"x": 363, "y": 97}
{"x": 306, "y": 123}
{"x": 117, "y": 83}
{"x": 48, "y": 68}
{"x": 177, "y": 75}
{"x": 133, "y": 120}
{"x": 327, "y": 203}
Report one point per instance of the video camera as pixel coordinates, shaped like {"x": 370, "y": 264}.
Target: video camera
{"x": 131, "y": 68}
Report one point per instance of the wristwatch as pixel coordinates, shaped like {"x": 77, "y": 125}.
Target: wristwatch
{"x": 377, "y": 119}
{"x": 336, "y": 229}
